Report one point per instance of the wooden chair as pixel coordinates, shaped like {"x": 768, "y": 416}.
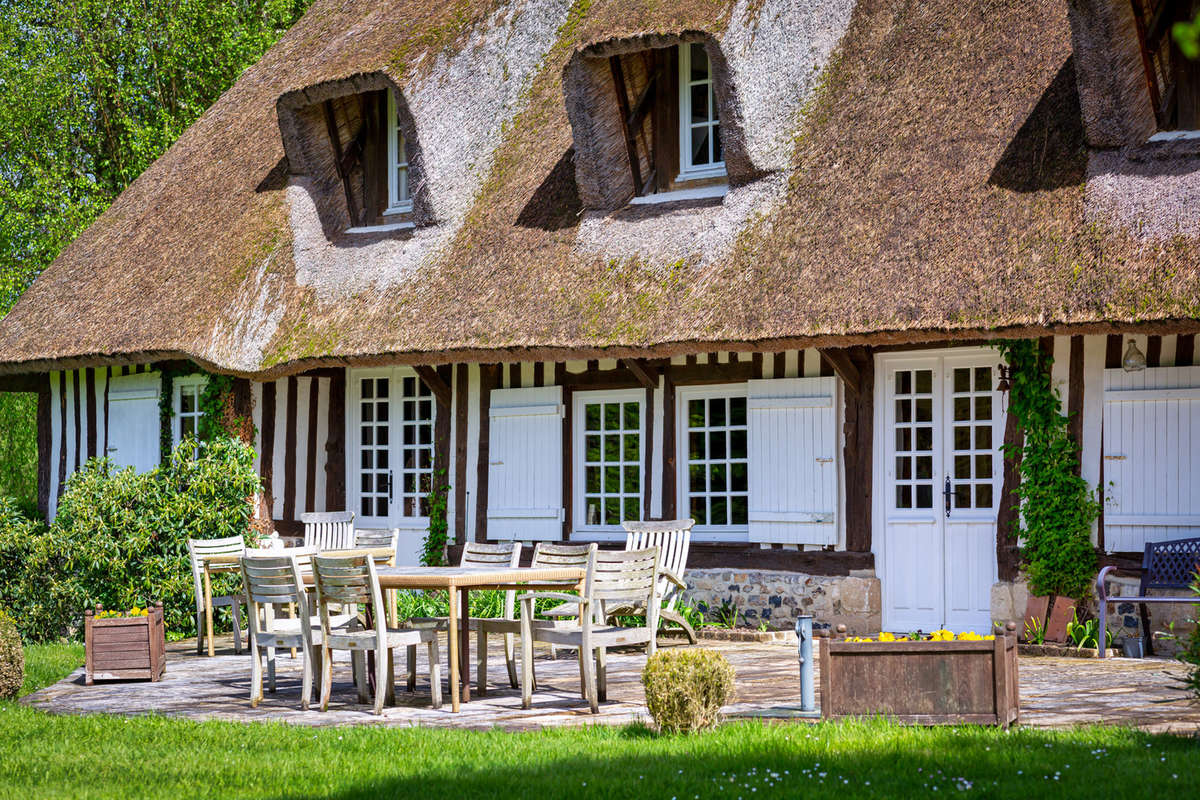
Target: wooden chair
{"x": 382, "y": 537}
{"x": 474, "y": 554}
{"x": 270, "y": 579}
{"x": 674, "y": 538}
{"x": 329, "y": 530}
{"x": 620, "y": 578}
{"x": 352, "y": 580}
{"x": 544, "y": 555}
{"x": 198, "y": 551}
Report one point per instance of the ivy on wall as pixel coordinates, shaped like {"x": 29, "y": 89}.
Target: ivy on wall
{"x": 1057, "y": 506}
{"x": 433, "y": 552}
{"x": 216, "y": 402}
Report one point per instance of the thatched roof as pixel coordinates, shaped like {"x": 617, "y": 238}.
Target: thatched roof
{"x": 912, "y": 171}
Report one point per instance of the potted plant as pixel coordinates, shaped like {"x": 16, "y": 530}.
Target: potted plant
{"x": 128, "y": 645}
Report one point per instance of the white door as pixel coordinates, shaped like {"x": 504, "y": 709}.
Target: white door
{"x": 133, "y": 420}
{"x": 391, "y": 462}
{"x": 940, "y": 435}
{"x": 525, "y": 497}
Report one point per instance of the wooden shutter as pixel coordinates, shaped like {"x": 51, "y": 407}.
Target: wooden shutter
{"x": 1151, "y": 456}
{"x": 793, "y": 460}
{"x": 133, "y": 420}
{"x": 525, "y": 499}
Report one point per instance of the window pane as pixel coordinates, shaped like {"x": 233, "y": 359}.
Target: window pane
{"x": 738, "y": 510}
{"x": 697, "y": 478}
{"x": 368, "y": 412}
{"x": 962, "y": 495}
{"x": 925, "y": 496}
{"x": 717, "y": 476}
{"x": 962, "y": 409}
{"x": 632, "y": 447}
{"x": 924, "y": 467}
{"x": 591, "y": 416}
{"x": 367, "y": 459}
{"x": 612, "y": 447}
{"x": 612, "y": 417}
{"x": 700, "y": 145}
{"x": 591, "y": 450}
{"x": 716, "y": 412}
{"x": 716, "y": 444}
{"x": 632, "y": 509}
{"x": 904, "y": 468}
{"x": 699, "y": 104}
{"x": 738, "y": 481}
{"x": 737, "y": 411}
{"x": 381, "y": 388}
{"x": 737, "y": 444}
{"x": 983, "y": 467}
{"x": 699, "y": 510}
{"x": 699, "y": 63}
{"x": 983, "y": 407}
{"x": 924, "y": 409}
{"x": 903, "y": 440}
{"x": 962, "y": 437}
{"x": 696, "y": 449}
{"x": 633, "y": 412}
{"x": 696, "y": 414}
{"x": 612, "y": 511}
{"x": 188, "y": 424}
{"x": 904, "y": 382}
{"x": 983, "y": 437}
{"x": 187, "y": 401}
{"x": 592, "y": 481}
{"x": 983, "y": 379}
{"x": 962, "y": 380}
{"x": 718, "y": 150}
{"x": 903, "y": 497}
{"x": 632, "y": 479}
{"x": 718, "y": 511}
{"x": 962, "y": 467}
{"x": 366, "y": 506}
{"x": 368, "y": 389}
{"x": 904, "y": 410}
{"x": 924, "y": 381}
{"x": 381, "y": 506}
{"x": 983, "y": 495}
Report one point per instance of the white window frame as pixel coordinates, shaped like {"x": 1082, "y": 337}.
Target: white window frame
{"x": 192, "y": 383}
{"x": 579, "y": 401}
{"x": 396, "y": 424}
{"x": 683, "y": 395}
{"x": 687, "y": 170}
{"x": 399, "y": 197}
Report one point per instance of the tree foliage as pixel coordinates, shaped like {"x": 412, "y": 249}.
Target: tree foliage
{"x": 1057, "y": 505}
{"x": 91, "y": 92}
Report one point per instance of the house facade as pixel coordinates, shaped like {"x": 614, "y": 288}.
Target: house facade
{"x": 743, "y": 262}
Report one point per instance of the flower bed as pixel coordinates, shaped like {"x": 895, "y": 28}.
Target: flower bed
{"x": 945, "y": 679}
{"x": 124, "y": 646}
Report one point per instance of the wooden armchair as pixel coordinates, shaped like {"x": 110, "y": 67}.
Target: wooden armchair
{"x": 614, "y": 579}
{"x": 329, "y": 530}
{"x": 198, "y": 551}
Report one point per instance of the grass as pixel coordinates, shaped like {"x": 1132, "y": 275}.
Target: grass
{"x": 81, "y": 757}
{"x": 49, "y": 663}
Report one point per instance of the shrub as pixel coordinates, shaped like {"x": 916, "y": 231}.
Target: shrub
{"x": 120, "y": 538}
{"x": 1189, "y": 650}
{"x": 685, "y": 689}
{"x": 12, "y": 658}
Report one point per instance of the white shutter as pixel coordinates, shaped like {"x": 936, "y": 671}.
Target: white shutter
{"x": 525, "y": 457}
{"x": 793, "y": 460}
{"x": 1151, "y": 456}
{"x": 133, "y": 420}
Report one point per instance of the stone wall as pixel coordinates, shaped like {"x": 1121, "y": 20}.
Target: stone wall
{"x": 778, "y": 597}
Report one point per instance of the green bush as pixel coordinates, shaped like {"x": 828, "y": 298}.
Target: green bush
{"x": 120, "y": 538}
{"x": 686, "y": 688}
{"x": 1189, "y": 650}
{"x": 12, "y": 658}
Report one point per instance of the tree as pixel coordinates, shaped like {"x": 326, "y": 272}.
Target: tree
{"x": 91, "y": 92}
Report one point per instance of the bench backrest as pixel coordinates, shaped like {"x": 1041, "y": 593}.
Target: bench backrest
{"x": 1170, "y": 565}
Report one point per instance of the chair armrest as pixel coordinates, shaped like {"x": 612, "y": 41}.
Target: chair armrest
{"x": 1101, "y": 590}
{"x": 673, "y": 578}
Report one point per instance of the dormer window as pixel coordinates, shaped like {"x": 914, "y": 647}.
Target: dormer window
{"x": 399, "y": 199}
{"x": 700, "y": 132}
{"x": 1172, "y": 80}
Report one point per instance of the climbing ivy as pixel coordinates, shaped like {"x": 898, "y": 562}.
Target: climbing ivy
{"x": 1058, "y": 506}
{"x": 218, "y": 419}
{"x": 433, "y": 553}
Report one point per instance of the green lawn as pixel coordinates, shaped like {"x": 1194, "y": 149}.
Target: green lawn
{"x": 48, "y": 756}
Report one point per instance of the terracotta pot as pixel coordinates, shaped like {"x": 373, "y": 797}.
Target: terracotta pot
{"x": 1060, "y": 614}
{"x": 1035, "y": 611}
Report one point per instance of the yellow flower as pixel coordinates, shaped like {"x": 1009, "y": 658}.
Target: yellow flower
{"x": 886, "y": 637}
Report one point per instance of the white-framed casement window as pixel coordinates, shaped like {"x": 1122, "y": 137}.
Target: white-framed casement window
{"x": 392, "y": 416}
{"x": 700, "y": 152}
{"x": 609, "y": 459}
{"x": 399, "y": 197}
{"x": 186, "y": 406}
{"x": 713, "y": 459}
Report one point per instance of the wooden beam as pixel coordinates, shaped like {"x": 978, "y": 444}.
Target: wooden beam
{"x": 335, "y": 444}
{"x": 635, "y": 169}
{"x": 858, "y": 427}
{"x": 843, "y": 367}
{"x": 460, "y": 454}
{"x": 1147, "y": 62}
{"x": 22, "y": 383}
{"x": 44, "y": 445}
{"x": 335, "y": 139}
{"x": 489, "y": 378}
{"x": 644, "y": 104}
{"x": 435, "y": 383}
{"x": 646, "y": 374}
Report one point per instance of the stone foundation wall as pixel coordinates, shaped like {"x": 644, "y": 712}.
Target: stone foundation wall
{"x": 778, "y": 597}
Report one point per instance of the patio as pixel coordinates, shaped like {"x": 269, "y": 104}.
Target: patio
{"x": 1055, "y": 692}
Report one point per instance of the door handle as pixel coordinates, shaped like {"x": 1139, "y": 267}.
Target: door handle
{"x": 946, "y": 494}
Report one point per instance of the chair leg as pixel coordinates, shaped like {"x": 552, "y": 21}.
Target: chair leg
{"x": 583, "y": 673}
{"x": 481, "y": 656}
{"x": 271, "y": 670}
{"x": 256, "y": 680}
{"x": 674, "y": 616}
{"x": 326, "y": 676}
{"x": 380, "y": 683}
{"x": 435, "y": 672}
{"x": 589, "y": 680}
{"x": 236, "y": 609}
{"x": 412, "y": 667}
{"x": 510, "y": 659}
{"x": 391, "y": 677}
{"x": 306, "y": 671}
{"x": 602, "y": 674}
{"x": 526, "y": 671}
{"x": 199, "y": 632}
{"x": 358, "y": 666}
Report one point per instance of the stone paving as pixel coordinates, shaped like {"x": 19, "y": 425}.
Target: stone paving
{"x": 1055, "y": 692}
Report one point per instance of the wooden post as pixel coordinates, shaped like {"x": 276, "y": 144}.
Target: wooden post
{"x": 44, "y": 446}
{"x": 858, "y": 427}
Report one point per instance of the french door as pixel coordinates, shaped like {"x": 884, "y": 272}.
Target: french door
{"x": 943, "y": 425}
{"x": 391, "y": 455}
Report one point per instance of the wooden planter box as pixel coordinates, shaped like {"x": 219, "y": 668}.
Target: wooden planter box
{"x": 925, "y": 683}
{"x": 125, "y": 648}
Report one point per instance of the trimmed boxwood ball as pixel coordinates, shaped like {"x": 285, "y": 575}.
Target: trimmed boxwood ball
{"x": 686, "y": 689}
{"x": 12, "y": 658}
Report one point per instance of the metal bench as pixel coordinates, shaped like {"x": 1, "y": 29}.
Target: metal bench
{"x": 1165, "y": 565}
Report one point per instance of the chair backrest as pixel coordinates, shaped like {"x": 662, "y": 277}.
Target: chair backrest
{"x": 673, "y": 538}
{"x": 506, "y": 554}
{"x": 270, "y": 580}
{"x": 302, "y": 555}
{"x": 1170, "y": 565}
{"x": 474, "y": 554}
{"x": 624, "y": 577}
{"x": 199, "y": 549}
{"x": 329, "y": 530}
{"x": 376, "y": 537}
{"x": 561, "y": 555}
{"x": 348, "y": 580}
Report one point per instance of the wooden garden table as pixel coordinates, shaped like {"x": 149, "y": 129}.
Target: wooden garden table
{"x": 463, "y": 580}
